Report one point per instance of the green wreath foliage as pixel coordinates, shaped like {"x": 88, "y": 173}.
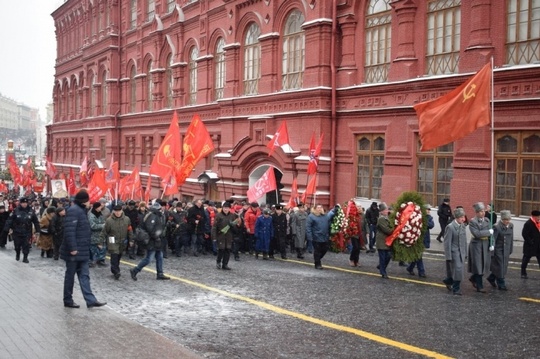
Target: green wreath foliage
{"x": 400, "y": 251}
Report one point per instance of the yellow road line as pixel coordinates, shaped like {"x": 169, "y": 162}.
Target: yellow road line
{"x": 530, "y": 300}
{"x": 509, "y": 267}
{"x": 307, "y": 318}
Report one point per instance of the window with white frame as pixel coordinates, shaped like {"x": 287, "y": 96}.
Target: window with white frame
{"x": 523, "y": 32}
{"x": 149, "y": 87}
{"x": 133, "y": 15}
{"x": 133, "y": 90}
{"x": 378, "y": 34}
{"x": 252, "y": 60}
{"x": 293, "y": 51}
{"x": 150, "y": 10}
{"x": 169, "y": 82}
{"x": 193, "y": 55}
{"x": 219, "y": 66}
{"x": 443, "y": 36}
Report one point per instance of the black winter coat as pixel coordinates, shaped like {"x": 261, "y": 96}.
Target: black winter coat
{"x": 531, "y": 237}
{"x": 155, "y": 226}
{"x": 77, "y": 234}
{"x": 196, "y": 213}
{"x": 21, "y": 222}
{"x": 57, "y": 227}
{"x": 280, "y": 224}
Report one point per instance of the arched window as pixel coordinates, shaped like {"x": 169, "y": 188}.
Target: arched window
{"x": 149, "y": 87}
{"x": 523, "y": 32}
{"x": 219, "y": 66}
{"x": 293, "y": 51}
{"x": 378, "y": 32}
{"x": 193, "y": 55}
{"x": 104, "y": 93}
{"x": 169, "y": 82}
{"x": 93, "y": 96}
{"x": 443, "y": 36}
{"x": 133, "y": 90}
{"x": 252, "y": 60}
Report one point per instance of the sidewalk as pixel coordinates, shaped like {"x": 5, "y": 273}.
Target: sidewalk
{"x": 35, "y": 324}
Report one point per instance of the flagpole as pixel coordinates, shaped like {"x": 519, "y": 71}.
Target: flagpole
{"x": 492, "y": 172}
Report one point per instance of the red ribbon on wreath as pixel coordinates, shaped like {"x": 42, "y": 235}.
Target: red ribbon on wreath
{"x": 403, "y": 220}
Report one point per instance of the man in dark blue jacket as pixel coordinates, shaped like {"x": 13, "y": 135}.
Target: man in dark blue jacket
{"x": 20, "y": 223}
{"x": 75, "y": 250}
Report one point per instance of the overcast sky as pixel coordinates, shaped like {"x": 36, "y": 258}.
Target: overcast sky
{"x": 28, "y": 48}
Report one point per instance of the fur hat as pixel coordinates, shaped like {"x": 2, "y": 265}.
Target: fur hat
{"x": 82, "y": 196}
{"x": 479, "y": 206}
{"x": 279, "y": 206}
{"x": 382, "y": 206}
{"x": 505, "y": 214}
{"x": 535, "y": 213}
{"x": 226, "y": 204}
{"x": 459, "y": 212}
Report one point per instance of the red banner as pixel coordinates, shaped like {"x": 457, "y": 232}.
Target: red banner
{"x": 265, "y": 184}
{"x": 168, "y": 156}
{"x": 281, "y": 137}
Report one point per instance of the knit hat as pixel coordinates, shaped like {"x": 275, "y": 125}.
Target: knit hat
{"x": 382, "y": 206}
{"x": 505, "y": 214}
{"x": 82, "y": 196}
{"x": 459, "y": 212}
{"x": 479, "y": 206}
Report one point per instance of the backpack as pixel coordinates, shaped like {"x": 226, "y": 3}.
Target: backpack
{"x": 141, "y": 235}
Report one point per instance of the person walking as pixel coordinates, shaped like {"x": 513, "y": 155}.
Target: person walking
{"x": 427, "y": 244}
{"x": 4, "y": 215}
{"x": 75, "y": 250}
{"x": 318, "y": 231}
{"x": 479, "y": 249}
{"x": 279, "y": 241}
{"x": 118, "y": 234}
{"x": 455, "y": 252}
{"x": 264, "y": 231}
{"x": 298, "y": 229}
{"x": 503, "y": 234}
{"x": 20, "y": 222}
{"x": 196, "y": 219}
{"x": 250, "y": 218}
{"x": 372, "y": 215}
{"x": 384, "y": 229}
{"x": 445, "y": 215}
{"x": 531, "y": 241}
{"x": 98, "y": 246}
{"x": 154, "y": 224}
{"x": 225, "y": 225}
{"x": 57, "y": 228}
{"x": 45, "y": 236}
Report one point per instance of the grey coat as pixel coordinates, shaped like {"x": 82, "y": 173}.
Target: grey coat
{"x": 504, "y": 244}
{"x": 479, "y": 256}
{"x": 455, "y": 250}
{"x": 298, "y": 228}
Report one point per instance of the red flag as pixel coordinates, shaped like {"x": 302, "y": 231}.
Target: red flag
{"x": 112, "y": 175}
{"x": 265, "y": 184}
{"x": 28, "y": 173}
{"x": 281, "y": 137}
{"x": 456, "y": 114}
{"x": 169, "y": 153}
{"x": 310, "y": 189}
{"x": 50, "y": 170}
{"x": 197, "y": 145}
{"x": 314, "y": 153}
{"x": 14, "y": 171}
{"x": 97, "y": 187}
{"x": 71, "y": 187}
{"x": 148, "y": 189}
{"x": 130, "y": 184}
{"x": 293, "y": 202}
{"x": 169, "y": 184}
{"x": 83, "y": 173}
{"x": 3, "y": 187}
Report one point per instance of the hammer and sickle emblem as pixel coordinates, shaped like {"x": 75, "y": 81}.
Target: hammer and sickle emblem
{"x": 468, "y": 92}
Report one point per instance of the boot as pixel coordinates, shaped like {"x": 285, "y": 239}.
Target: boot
{"x": 25, "y": 258}
{"x": 18, "y": 256}
{"x": 42, "y": 253}
{"x": 50, "y": 253}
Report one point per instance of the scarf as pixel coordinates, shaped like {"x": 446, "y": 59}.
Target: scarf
{"x": 536, "y": 223}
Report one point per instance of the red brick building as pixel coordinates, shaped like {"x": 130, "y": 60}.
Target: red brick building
{"x": 349, "y": 69}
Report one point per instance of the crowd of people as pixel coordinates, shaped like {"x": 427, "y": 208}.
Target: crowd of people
{"x": 160, "y": 229}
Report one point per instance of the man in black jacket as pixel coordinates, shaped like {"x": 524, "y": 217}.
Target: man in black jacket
{"x": 372, "y": 216}
{"x": 445, "y": 215}
{"x": 20, "y": 222}
{"x": 196, "y": 219}
{"x": 279, "y": 242}
{"x": 4, "y": 215}
{"x": 154, "y": 224}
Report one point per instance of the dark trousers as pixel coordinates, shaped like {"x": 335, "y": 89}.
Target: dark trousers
{"x": 278, "y": 244}
{"x": 3, "y": 238}
{"x": 197, "y": 242}
{"x": 251, "y": 242}
{"x": 443, "y": 227}
{"x": 355, "y": 252}
{"x": 22, "y": 242}
{"x": 223, "y": 256}
{"x": 384, "y": 258}
{"x": 83, "y": 274}
{"x": 115, "y": 262}
{"x": 525, "y": 262}
{"x": 319, "y": 250}
{"x": 238, "y": 242}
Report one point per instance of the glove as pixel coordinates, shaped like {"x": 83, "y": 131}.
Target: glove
{"x": 491, "y": 248}
{"x": 491, "y": 231}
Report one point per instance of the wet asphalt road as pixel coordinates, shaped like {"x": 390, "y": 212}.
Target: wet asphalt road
{"x": 287, "y": 309}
